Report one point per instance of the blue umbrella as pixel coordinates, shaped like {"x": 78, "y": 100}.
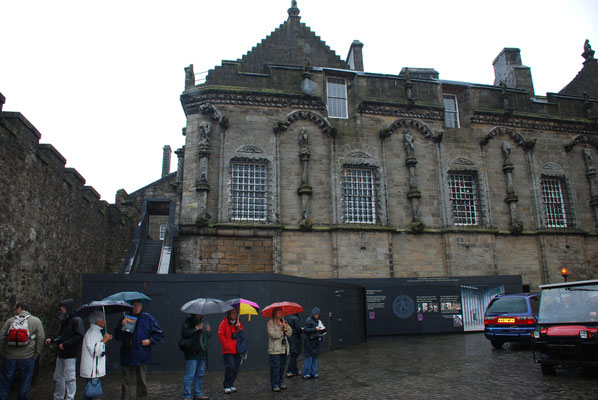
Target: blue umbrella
{"x": 129, "y": 297}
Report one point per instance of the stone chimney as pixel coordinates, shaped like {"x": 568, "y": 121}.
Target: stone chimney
{"x": 355, "y": 56}
{"x": 166, "y": 161}
{"x": 508, "y": 69}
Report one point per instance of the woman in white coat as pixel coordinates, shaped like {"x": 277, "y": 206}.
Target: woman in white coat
{"x": 93, "y": 351}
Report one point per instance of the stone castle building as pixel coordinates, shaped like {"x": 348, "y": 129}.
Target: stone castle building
{"x": 299, "y": 162}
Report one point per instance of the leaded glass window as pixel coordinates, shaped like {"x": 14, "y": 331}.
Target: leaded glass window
{"x": 249, "y": 191}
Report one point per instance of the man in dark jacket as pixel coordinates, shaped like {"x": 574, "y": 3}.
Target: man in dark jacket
{"x": 313, "y": 336}
{"x": 195, "y": 327}
{"x": 68, "y": 341}
{"x": 295, "y": 342}
{"x": 136, "y": 351}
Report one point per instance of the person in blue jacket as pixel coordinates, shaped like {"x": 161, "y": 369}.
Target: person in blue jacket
{"x": 136, "y": 350}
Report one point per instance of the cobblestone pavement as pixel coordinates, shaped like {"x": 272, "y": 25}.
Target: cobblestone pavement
{"x": 455, "y": 366}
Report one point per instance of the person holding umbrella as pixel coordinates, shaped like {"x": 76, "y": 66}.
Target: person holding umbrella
{"x": 93, "y": 351}
{"x": 227, "y": 335}
{"x": 278, "y": 348}
{"x": 136, "y": 351}
{"x": 194, "y": 327}
{"x": 198, "y": 331}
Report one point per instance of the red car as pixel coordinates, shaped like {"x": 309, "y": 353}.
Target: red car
{"x": 567, "y": 331}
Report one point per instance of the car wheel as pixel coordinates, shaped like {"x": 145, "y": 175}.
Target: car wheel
{"x": 497, "y": 344}
{"x": 548, "y": 369}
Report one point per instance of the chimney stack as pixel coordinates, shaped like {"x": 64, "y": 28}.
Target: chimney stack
{"x": 166, "y": 161}
{"x": 508, "y": 68}
{"x": 355, "y": 56}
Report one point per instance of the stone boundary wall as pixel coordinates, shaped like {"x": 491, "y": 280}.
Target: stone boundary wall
{"x": 53, "y": 228}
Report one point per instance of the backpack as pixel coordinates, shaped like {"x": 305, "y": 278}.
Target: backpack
{"x": 18, "y": 333}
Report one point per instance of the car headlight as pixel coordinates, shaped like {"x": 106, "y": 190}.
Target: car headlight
{"x": 536, "y": 334}
{"x": 583, "y": 334}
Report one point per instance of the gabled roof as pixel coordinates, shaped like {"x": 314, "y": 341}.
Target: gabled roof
{"x": 291, "y": 43}
{"x": 586, "y": 80}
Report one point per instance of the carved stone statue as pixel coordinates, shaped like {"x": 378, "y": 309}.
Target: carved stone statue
{"x": 587, "y": 156}
{"x": 409, "y": 147}
{"x": 303, "y": 139}
{"x": 588, "y": 53}
{"x": 189, "y": 77}
{"x": 204, "y": 134}
{"x": 506, "y": 151}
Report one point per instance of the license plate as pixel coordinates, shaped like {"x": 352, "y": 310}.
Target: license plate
{"x": 506, "y": 320}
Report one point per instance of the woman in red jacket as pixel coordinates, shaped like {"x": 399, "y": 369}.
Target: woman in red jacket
{"x": 227, "y": 334}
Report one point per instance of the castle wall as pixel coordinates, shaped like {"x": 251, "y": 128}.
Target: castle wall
{"x": 53, "y": 228}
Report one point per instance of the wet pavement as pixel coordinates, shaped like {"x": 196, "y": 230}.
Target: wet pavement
{"x": 454, "y": 366}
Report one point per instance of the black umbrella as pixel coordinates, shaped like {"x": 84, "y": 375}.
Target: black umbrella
{"x": 107, "y": 307}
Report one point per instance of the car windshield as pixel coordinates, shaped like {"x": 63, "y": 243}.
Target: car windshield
{"x": 569, "y": 304}
{"x": 508, "y": 305}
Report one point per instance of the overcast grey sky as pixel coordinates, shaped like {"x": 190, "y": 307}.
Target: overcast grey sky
{"x": 101, "y": 80}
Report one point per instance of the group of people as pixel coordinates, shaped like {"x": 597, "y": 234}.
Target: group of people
{"x": 284, "y": 339}
{"x": 22, "y": 338}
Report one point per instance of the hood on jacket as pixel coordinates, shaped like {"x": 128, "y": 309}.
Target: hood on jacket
{"x": 69, "y": 304}
{"x": 315, "y": 311}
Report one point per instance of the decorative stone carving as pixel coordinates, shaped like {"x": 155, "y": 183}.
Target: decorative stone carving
{"x": 408, "y": 141}
{"x": 519, "y": 122}
{"x": 550, "y": 166}
{"x": 313, "y": 117}
{"x": 407, "y": 123}
{"x": 506, "y": 151}
{"x": 587, "y": 156}
{"x": 505, "y": 99}
{"x": 208, "y": 109}
{"x": 409, "y": 88}
{"x": 358, "y": 154}
{"x": 305, "y": 189}
{"x": 400, "y": 110}
{"x": 588, "y": 53}
{"x": 192, "y": 101}
{"x": 249, "y": 149}
{"x": 293, "y": 11}
{"x": 516, "y": 136}
{"x": 462, "y": 161}
{"x": 204, "y": 134}
{"x": 582, "y": 139}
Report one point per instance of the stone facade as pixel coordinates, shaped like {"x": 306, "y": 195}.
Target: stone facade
{"x": 53, "y": 228}
{"x": 263, "y": 126}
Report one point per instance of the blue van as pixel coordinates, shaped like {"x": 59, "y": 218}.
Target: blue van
{"x": 511, "y": 318}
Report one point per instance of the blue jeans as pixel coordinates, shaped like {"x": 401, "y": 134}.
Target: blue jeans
{"x": 232, "y": 363}
{"x": 277, "y": 364}
{"x": 25, "y": 370}
{"x": 194, "y": 370}
{"x": 292, "y": 368}
{"x": 310, "y": 366}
